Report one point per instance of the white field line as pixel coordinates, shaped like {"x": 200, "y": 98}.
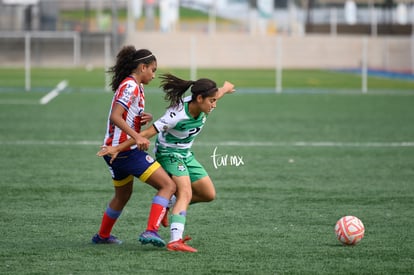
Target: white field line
{"x": 18, "y": 102}
{"x": 54, "y": 93}
{"x": 226, "y": 143}
{"x": 318, "y": 144}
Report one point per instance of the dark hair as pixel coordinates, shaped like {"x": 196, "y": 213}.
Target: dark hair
{"x": 175, "y": 88}
{"x": 127, "y": 60}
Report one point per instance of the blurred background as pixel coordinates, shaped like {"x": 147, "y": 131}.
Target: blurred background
{"x": 284, "y": 34}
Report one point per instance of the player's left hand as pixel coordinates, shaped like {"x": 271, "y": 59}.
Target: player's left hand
{"x": 229, "y": 87}
{"x": 146, "y": 118}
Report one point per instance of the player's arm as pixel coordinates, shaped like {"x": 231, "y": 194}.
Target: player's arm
{"x": 113, "y": 151}
{"x": 116, "y": 118}
{"x": 167, "y": 121}
{"x": 147, "y": 133}
{"x": 227, "y": 88}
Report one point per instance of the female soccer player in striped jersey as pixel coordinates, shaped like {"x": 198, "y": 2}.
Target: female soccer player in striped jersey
{"x": 176, "y": 131}
{"x": 133, "y": 69}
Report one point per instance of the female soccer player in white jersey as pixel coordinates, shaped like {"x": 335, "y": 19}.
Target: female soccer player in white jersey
{"x": 133, "y": 69}
{"x": 177, "y": 129}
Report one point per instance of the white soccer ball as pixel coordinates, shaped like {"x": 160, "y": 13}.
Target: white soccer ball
{"x": 349, "y": 230}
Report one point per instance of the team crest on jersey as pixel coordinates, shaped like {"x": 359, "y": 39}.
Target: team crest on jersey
{"x": 128, "y": 91}
{"x": 181, "y": 167}
{"x": 149, "y": 159}
{"x": 133, "y": 98}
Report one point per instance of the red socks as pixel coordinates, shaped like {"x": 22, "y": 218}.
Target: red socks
{"x": 157, "y": 212}
{"x": 108, "y": 220}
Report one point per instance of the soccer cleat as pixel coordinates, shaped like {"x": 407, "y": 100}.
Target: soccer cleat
{"x": 181, "y": 246}
{"x": 110, "y": 240}
{"x": 151, "y": 237}
{"x": 164, "y": 221}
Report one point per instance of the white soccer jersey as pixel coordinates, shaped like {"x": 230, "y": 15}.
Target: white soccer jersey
{"x": 177, "y": 129}
{"x": 131, "y": 96}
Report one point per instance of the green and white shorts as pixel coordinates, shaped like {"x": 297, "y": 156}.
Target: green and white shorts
{"x": 177, "y": 165}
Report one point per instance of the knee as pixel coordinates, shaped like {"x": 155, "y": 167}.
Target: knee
{"x": 203, "y": 192}
{"x": 187, "y": 194}
{"x": 210, "y": 196}
{"x": 123, "y": 198}
{"x": 170, "y": 186}
{"x": 207, "y": 196}
{"x": 162, "y": 182}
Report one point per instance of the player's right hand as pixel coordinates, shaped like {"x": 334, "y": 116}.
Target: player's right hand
{"x": 108, "y": 150}
{"x": 142, "y": 143}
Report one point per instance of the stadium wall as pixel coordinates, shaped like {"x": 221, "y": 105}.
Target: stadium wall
{"x": 298, "y": 52}
{"x": 225, "y": 50}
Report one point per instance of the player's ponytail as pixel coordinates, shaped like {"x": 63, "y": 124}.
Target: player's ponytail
{"x": 174, "y": 88}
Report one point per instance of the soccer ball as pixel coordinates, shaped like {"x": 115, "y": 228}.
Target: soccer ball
{"x": 349, "y": 230}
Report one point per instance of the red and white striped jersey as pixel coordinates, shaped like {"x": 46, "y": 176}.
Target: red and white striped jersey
{"x": 130, "y": 95}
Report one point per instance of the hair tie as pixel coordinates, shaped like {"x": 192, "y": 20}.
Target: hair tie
{"x": 145, "y": 57}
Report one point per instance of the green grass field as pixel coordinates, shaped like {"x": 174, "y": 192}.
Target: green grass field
{"x": 308, "y": 159}
{"x": 329, "y": 81}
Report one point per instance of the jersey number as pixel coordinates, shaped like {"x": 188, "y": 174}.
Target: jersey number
{"x": 193, "y": 131}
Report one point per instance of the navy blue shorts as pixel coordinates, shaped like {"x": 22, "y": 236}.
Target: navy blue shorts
{"x": 130, "y": 164}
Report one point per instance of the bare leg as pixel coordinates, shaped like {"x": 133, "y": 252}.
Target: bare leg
{"x": 163, "y": 183}
{"x": 122, "y": 196}
{"x": 183, "y": 194}
{"x": 203, "y": 190}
